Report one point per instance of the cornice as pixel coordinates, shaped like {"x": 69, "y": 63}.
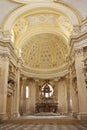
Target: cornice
{"x": 76, "y": 38}
{"x": 10, "y": 47}
{"x": 43, "y": 75}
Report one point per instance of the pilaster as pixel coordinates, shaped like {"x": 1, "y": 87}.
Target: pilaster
{"x": 32, "y": 96}
{"x": 4, "y": 65}
{"x": 82, "y": 91}
{"x": 17, "y": 91}
{"x": 68, "y": 94}
{"x": 23, "y": 95}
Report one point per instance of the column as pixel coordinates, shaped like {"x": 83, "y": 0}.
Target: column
{"x": 82, "y": 90}
{"x": 23, "y": 95}
{"x": 71, "y": 93}
{"x": 68, "y": 94}
{"x": 32, "y": 96}
{"x": 4, "y": 65}
{"x": 17, "y": 93}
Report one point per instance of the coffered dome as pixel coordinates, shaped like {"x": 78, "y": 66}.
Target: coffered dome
{"x": 44, "y": 51}
{"x": 40, "y": 33}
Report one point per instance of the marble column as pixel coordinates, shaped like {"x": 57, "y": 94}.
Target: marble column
{"x": 4, "y": 66}
{"x": 82, "y": 90}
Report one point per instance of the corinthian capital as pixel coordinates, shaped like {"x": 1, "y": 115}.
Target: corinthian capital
{"x": 6, "y": 35}
{"x": 79, "y": 52}
{"x": 76, "y": 29}
{"x": 5, "y": 56}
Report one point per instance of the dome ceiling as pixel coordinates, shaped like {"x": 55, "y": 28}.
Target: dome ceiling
{"x": 43, "y": 40}
{"x": 44, "y": 52}
{"x": 42, "y": 21}
{"x": 40, "y": 34}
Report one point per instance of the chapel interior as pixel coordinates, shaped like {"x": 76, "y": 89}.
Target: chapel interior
{"x": 43, "y": 58}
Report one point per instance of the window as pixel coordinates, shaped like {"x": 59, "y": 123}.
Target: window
{"x": 27, "y": 92}
{"x": 47, "y": 90}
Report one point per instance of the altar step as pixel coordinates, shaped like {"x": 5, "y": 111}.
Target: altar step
{"x": 47, "y": 114}
{"x": 46, "y": 120}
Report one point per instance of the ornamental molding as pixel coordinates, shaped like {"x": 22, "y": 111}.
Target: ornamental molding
{"x": 35, "y": 1}
{"x": 43, "y": 75}
{"x": 78, "y": 39}
{"x": 80, "y": 44}
{"x": 84, "y": 25}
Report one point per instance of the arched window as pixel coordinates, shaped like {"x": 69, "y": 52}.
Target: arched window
{"x": 47, "y": 90}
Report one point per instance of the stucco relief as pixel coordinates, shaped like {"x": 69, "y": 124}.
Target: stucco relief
{"x": 65, "y": 24}
{"x": 42, "y": 19}
{"x": 27, "y": 23}
{"x": 20, "y": 26}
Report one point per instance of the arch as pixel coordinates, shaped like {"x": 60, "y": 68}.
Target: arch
{"x": 71, "y": 13}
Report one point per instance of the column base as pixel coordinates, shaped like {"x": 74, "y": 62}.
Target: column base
{"x": 82, "y": 116}
{"x": 3, "y": 116}
{"x": 75, "y": 114}
{"x": 15, "y": 115}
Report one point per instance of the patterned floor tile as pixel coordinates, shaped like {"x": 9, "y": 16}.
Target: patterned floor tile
{"x": 18, "y": 126}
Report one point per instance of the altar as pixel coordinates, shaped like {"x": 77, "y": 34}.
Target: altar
{"x": 46, "y": 107}
{"x": 47, "y": 102}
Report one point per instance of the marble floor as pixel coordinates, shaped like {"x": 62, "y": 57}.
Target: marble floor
{"x": 43, "y": 123}
{"x": 19, "y": 126}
